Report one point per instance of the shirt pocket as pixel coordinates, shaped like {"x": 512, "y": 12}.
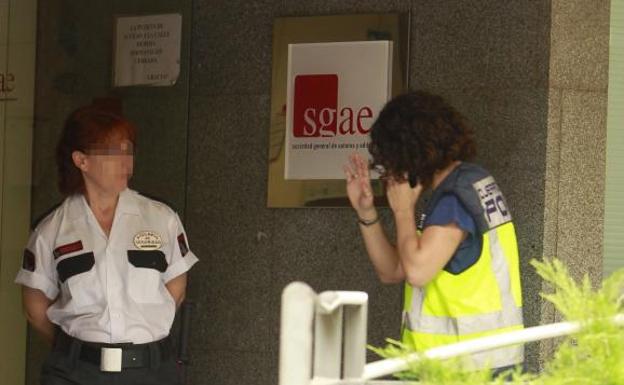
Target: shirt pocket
{"x": 78, "y": 274}
{"x": 145, "y": 275}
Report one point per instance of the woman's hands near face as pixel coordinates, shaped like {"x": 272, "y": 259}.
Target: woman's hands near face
{"x": 359, "y": 187}
{"x": 401, "y": 197}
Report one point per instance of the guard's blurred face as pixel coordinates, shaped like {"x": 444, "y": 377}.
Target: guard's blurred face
{"x": 109, "y": 166}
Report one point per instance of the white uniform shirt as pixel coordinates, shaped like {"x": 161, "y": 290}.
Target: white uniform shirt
{"x": 109, "y": 290}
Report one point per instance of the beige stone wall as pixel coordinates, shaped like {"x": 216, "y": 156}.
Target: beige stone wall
{"x": 575, "y": 164}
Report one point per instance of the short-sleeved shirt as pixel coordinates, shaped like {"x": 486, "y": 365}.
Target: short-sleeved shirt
{"x": 108, "y": 289}
{"x": 450, "y": 210}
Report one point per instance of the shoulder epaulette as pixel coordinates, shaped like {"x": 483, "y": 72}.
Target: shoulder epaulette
{"x": 160, "y": 200}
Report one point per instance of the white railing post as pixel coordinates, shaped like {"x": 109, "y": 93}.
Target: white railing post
{"x": 295, "y": 362}
{"x": 332, "y": 308}
{"x": 314, "y": 323}
{"x": 354, "y": 350}
{"x": 327, "y": 343}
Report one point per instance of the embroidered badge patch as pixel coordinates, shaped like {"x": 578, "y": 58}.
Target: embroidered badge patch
{"x": 28, "y": 261}
{"x": 66, "y": 249}
{"x": 183, "y": 246}
{"x": 148, "y": 240}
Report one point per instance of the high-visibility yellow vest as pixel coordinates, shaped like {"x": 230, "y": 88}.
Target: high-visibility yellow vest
{"x": 484, "y": 299}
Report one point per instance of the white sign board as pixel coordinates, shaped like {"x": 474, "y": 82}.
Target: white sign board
{"x": 335, "y": 92}
{"x": 147, "y": 50}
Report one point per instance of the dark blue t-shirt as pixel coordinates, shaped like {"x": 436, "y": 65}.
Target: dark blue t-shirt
{"x": 450, "y": 210}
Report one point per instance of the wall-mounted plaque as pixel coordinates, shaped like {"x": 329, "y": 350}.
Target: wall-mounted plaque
{"x": 335, "y": 92}
{"x": 316, "y": 124}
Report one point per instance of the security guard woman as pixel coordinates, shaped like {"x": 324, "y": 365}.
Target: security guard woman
{"x": 460, "y": 264}
{"x": 103, "y": 273}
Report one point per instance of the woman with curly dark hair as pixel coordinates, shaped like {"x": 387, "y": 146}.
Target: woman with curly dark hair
{"x": 460, "y": 263}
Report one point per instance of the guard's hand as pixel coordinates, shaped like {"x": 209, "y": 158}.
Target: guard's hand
{"x": 359, "y": 187}
{"x": 401, "y": 197}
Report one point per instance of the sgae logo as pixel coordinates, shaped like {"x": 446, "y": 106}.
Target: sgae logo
{"x": 316, "y": 112}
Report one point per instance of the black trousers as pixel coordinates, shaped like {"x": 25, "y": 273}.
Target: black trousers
{"x": 68, "y": 364}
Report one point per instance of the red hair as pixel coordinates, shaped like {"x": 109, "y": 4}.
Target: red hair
{"x": 87, "y": 128}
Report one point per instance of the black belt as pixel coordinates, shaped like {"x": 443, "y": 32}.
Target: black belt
{"x": 132, "y": 355}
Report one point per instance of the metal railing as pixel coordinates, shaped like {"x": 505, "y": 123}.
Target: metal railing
{"x": 323, "y": 340}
